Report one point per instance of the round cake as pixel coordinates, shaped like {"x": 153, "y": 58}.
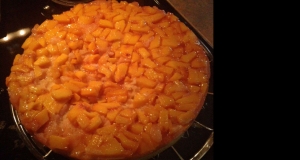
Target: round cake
{"x": 109, "y": 80}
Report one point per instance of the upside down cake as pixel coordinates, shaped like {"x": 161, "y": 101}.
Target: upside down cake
{"x": 109, "y": 80}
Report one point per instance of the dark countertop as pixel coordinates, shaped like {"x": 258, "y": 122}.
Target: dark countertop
{"x": 199, "y": 14}
{"x": 19, "y": 15}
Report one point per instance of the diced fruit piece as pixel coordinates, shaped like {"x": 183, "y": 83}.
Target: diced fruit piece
{"x": 186, "y": 117}
{"x": 146, "y": 144}
{"x": 27, "y": 42}
{"x": 188, "y": 57}
{"x": 83, "y": 120}
{"x": 117, "y": 95}
{"x": 85, "y": 19}
{"x": 123, "y": 120}
{"x": 114, "y": 35}
{"x": 105, "y": 23}
{"x": 155, "y": 133}
{"x": 162, "y": 60}
{"x": 139, "y": 28}
{"x": 148, "y": 63}
{"x": 170, "y": 41}
{"x": 144, "y": 52}
{"x": 142, "y": 118}
{"x": 196, "y": 77}
{"x": 130, "y": 113}
{"x": 93, "y": 144}
{"x": 112, "y": 114}
{"x": 137, "y": 128}
{"x": 134, "y": 70}
{"x": 37, "y": 72}
{"x": 192, "y": 98}
{"x": 174, "y": 87}
{"x": 41, "y": 118}
{"x": 176, "y": 76}
{"x": 145, "y": 82}
{"x": 62, "y": 94}
{"x": 127, "y": 143}
{"x": 153, "y": 114}
{"x": 194, "y": 88}
{"x": 165, "y": 69}
{"x": 121, "y": 72}
{"x": 78, "y": 83}
{"x": 42, "y": 61}
{"x": 186, "y": 106}
{"x": 80, "y": 74}
{"x": 58, "y": 142}
{"x": 52, "y": 105}
{"x": 173, "y": 113}
{"x": 177, "y": 64}
{"x": 163, "y": 120}
{"x": 118, "y": 18}
{"x": 165, "y": 101}
{"x": 61, "y": 18}
{"x": 74, "y": 112}
{"x": 198, "y": 63}
{"x": 177, "y": 95}
{"x": 120, "y": 25}
{"x": 155, "y": 43}
{"x": 102, "y": 107}
{"x": 105, "y": 71}
{"x": 107, "y": 130}
{"x": 19, "y": 68}
{"x": 111, "y": 147}
{"x": 139, "y": 100}
{"x": 95, "y": 122}
{"x": 153, "y": 75}
{"x": 130, "y": 38}
{"x": 89, "y": 92}
{"x": 77, "y": 8}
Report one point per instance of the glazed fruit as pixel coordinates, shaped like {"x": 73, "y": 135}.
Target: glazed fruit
{"x": 109, "y": 80}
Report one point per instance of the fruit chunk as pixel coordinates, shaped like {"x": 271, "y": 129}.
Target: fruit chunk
{"x": 62, "y": 94}
{"x": 74, "y": 112}
{"x": 85, "y": 19}
{"x": 165, "y": 101}
{"x": 82, "y": 120}
{"x": 137, "y": 128}
{"x": 196, "y": 77}
{"x": 126, "y": 142}
{"x": 163, "y": 120}
{"x": 121, "y": 71}
{"x": 60, "y": 60}
{"x": 111, "y": 147}
{"x": 52, "y": 105}
{"x": 41, "y": 118}
{"x": 105, "y": 23}
{"x": 145, "y": 82}
{"x": 42, "y": 61}
{"x": 61, "y": 18}
{"x": 192, "y": 98}
{"x": 58, "y": 142}
{"x": 139, "y": 100}
{"x": 186, "y": 117}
